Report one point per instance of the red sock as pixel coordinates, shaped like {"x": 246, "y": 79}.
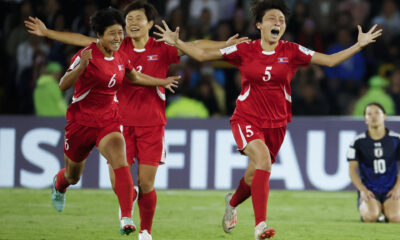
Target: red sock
{"x": 61, "y": 182}
{"x": 147, "y": 206}
{"x": 124, "y": 190}
{"x": 259, "y": 194}
{"x": 242, "y": 192}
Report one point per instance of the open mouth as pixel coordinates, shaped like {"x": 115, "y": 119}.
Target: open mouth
{"x": 134, "y": 29}
{"x": 275, "y": 32}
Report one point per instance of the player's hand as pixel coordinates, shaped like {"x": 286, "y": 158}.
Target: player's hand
{"x": 166, "y": 35}
{"x": 172, "y": 82}
{"x": 236, "y": 40}
{"x": 86, "y": 56}
{"x": 394, "y": 194}
{"x": 369, "y": 37}
{"x": 366, "y": 195}
{"x": 36, "y": 26}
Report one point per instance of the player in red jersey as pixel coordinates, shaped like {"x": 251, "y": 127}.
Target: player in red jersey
{"x": 96, "y": 72}
{"x": 142, "y": 108}
{"x": 263, "y": 107}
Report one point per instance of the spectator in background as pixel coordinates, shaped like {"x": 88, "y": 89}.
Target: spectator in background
{"x": 350, "y": 72}
{"x": 300, "y": 13}
{"x": 308, "y": 98}
{"x": 48, "y": 98}
{"x": 359, "y": 10}
{"x": 240, "y": 23}
{"x": 31, "y": 56}
{"x": 394, "y": 89}
{"x": 210, "y": 93}
{"x": 375, "y": 93}
{"x": 197, "y": 7}
{"x": 310, "y": 37}
{"x": 81, "y": 24}
{"x": 389, "y": 19}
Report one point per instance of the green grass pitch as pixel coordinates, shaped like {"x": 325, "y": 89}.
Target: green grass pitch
{"x": 189, "y": 215}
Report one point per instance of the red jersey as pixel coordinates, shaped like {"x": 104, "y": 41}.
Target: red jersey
{"x": 93, "y": 103}
{"x": 145, "y": 105}
{"x": 265, "y": 98}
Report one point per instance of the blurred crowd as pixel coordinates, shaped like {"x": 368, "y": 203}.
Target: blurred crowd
{"x": 326, "y": 26}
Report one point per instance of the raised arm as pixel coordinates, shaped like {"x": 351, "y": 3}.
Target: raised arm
{"x": 337, "y": 58}
{"x": 200, "y": 54}
{"x": 70, "y": 77}
{"x": 210, "y": 44}
{"x": 37, "y": 27}
{"x": 355, "y": 178}
{"x": 138, "y": 78}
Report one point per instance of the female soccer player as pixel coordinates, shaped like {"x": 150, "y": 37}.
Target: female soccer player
{"x": 263, "y": 108}
{"x": 142, "y": 108}
{"x": 373, "y": 167}
{"x": 96, "y": 73}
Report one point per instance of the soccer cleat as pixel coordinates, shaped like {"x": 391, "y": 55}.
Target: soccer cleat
{"x": 127, "y": 226}
{"x": 57, "y": 198}
{"x": 262, "y": 231}
{"x": 133, "y": 205}
{"x": 145, "y": 235}
{"x": 230, "y": 217}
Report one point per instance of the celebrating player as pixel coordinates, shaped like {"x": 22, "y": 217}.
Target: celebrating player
{"x": 96, "y": 73}
{"x": 142, "y": 108}
{"x": 263, "y": 108}
{"x": 373, "y": 167}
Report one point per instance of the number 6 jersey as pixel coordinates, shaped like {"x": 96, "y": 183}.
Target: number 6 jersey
{"x": 94, "y": 103}
{"x": 377, "y": 160}
{"x": 265, "y": 98}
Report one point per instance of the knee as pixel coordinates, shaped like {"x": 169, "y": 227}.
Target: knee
{"x": 370, "y": 217}
{"x": 248, "y": 178}
{"x": 393, "y": 217}
{"x": 145, "y": 185}
{"x": 263, "y": 161}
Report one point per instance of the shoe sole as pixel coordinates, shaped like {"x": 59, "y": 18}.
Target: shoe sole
{"x": 128, "y": 229}
{"x": 269, "y": 233}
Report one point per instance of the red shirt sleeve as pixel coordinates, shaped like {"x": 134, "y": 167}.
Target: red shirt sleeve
{"x": 171, "y": 54}
{"x": 232, "y": 54}
{"x": 75, "y": 60}
{"x": 301, "y": 56}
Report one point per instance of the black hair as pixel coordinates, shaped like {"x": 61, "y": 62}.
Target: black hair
{"x": 104, "y": 18}
{"x": 259, "y": 7}
{"x": 374, "y": 104}
{"x": 149, "y": 10}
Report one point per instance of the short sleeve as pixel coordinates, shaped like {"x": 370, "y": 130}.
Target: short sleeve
{"x": 301, "y": 56}
{"x": 75, "y": 60}
{"x": 352, "y": 152}
{"x": 171, "y": 53}
{"x": 232, "y": 54}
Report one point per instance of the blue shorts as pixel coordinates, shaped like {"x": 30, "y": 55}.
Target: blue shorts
{"x": 381, "y": 197}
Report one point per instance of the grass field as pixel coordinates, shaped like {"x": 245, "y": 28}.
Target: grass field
{"x": 92, "y": 214}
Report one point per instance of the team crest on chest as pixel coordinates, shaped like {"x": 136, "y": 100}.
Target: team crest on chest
{"x": 283, "y": 59}
{"x": 121, "y": 67}
{"x": 153, "y": 57}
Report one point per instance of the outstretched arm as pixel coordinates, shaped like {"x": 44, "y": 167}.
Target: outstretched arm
{"x": 37, "y": 27}
{"x": 138, "y": 78}
{"x": 210, "y": 44}
{"x": 193, "y": 51}
{"x": 335, "y": 59}
{"x": 70, "y": 77}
